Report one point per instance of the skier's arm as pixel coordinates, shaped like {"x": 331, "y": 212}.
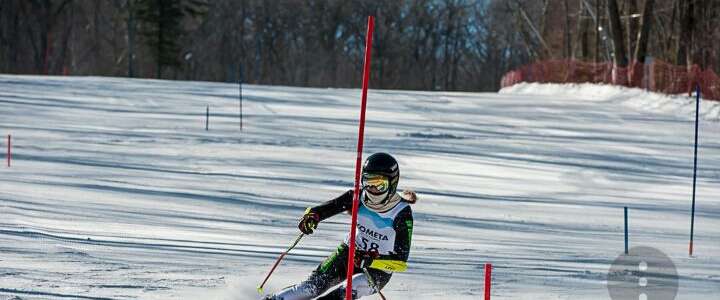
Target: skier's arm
{"x": 403, "y": 235}
{"x": 333, "y": 207}
{"x": 396, "y": 261}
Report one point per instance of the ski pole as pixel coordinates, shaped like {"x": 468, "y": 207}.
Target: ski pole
{"x": 372, "y": 283}
{"x": 297, "y": 240}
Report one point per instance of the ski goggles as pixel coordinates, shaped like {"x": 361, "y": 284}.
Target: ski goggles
{"x": 375, "y": 183}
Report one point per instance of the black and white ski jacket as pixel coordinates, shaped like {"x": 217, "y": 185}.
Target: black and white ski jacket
{"x": 389, "y": 232}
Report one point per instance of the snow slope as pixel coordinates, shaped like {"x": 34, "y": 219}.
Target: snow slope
{"x": 116, "y": 191}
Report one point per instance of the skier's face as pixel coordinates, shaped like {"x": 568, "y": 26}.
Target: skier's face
{"x": 375, "y": 183}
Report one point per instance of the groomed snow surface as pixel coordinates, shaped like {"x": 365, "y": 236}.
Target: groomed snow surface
{"x": 116, "y": 191}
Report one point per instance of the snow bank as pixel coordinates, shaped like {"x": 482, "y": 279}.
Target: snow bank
{"x": 680, "y": 105}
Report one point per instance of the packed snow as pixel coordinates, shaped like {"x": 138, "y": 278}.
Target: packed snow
{"x": 117, "y": 191}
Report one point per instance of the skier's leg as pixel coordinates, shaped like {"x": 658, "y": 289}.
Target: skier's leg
{"x": 360, "y": 284}
{"x": 313, "y": 286}
{"x": 329, "y": 273}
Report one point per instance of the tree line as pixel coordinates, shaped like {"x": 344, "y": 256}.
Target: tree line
{"x": 419, "y": 44}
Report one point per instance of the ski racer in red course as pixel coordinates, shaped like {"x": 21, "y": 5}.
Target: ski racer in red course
{"x": 383, "y": 235}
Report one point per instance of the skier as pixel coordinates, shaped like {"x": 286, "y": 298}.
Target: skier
{"x": 384, "y": 231}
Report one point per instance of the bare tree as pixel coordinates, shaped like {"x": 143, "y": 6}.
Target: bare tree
{"x": 644, "y": 34}
{"x": 617, "y": 34}
{"x": 632, "y": 27}
{"x": 685, "y": 38}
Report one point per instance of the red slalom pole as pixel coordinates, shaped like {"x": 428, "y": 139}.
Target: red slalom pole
{"x": 488, "y": 280}
{"x": 277, "y": 262}
{"x": 358, "y": 166}
{"x": 8, "y": 154}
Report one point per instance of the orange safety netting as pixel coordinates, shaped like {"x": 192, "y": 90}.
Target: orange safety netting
{"x": 657, "y": 76}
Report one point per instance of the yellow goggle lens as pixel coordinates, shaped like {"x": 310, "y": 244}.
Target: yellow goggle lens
{"x": 380, "y": 183}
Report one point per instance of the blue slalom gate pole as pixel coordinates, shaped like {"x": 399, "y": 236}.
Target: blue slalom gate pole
{"x": 240, "y": 83}
{"x": 626, "y": 230}
{"x": 692, "y": 213}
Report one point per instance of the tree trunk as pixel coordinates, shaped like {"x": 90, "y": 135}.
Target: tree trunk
{"x": 241, "y": 42}
{"x": 45, "y": 38}
{"x": 97, "y": 59}
{"x": 597, "y": 31}
{"x": 544, "y": 19}
{"x": 617, "y": 34}
{"x": 669, "y": 43}
{"x": 695, "y": 53}
{"x": 685, "y": 38}
{"x": 582, "y": 33}
{"x": 448, "y": 35}
{"x": 568, "y": 46}
{"x": 66, "y": 38}
{"x": 689, "y": 50}
{"x": 632, "y": 28}
{"x": 644, "y": 34}
{"x": 131, "y": 38}
{"x": 159, "y": 50}
{"x": 15, "y": 37}
{"x": 584, "y": 42}
{"x": 545, "y": 52}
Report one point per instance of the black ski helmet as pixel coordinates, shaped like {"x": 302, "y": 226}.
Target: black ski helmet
{"x": 384, "y": 164}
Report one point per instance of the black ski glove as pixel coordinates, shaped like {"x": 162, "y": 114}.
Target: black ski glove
{"x": 363, "y": 259}
{"x": 309, "y": 222}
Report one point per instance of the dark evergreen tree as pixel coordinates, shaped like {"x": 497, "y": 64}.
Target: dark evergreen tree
{"x": 162, "y": 27}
